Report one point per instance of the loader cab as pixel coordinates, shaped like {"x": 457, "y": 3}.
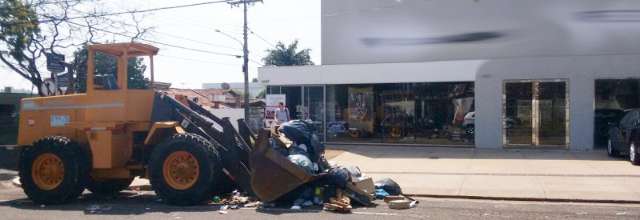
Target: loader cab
{"x": 125, "y": 56}
{"x": 114, "y": 80}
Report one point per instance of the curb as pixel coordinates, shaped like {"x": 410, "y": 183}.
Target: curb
{"x": 525, "y": 199}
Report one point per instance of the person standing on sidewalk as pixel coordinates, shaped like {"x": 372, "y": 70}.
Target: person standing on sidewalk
{"x": 281, "y": 114}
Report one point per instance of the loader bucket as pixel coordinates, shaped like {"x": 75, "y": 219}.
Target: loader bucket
{"x": 273, "y": 175}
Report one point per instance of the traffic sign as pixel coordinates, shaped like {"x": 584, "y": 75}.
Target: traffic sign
{"x": 55, "y": 62}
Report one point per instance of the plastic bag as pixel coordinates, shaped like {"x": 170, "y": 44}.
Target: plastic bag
{"x": 339, "y": 177}
{"x": 296, "y": 130}
{"x": 389, "y": 186}
{"x": 302, "y": 161}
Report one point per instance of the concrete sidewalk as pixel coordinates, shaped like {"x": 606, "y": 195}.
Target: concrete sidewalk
{"x": 503, "y": 174}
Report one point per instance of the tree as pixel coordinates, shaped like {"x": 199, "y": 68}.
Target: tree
{"x": 107, "y": 64}
{"x": 18, "y": 30}
{"x": 225, "y": 86}
{"x": 31, "y": 29}
{"x": 283, "y": 55}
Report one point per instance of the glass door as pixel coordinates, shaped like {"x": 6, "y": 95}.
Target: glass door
{"x": 535, "y": 113}
{"x": 314, "y": 107}
{"x": 517, "y": 119}
{"x": 552, "y": 116}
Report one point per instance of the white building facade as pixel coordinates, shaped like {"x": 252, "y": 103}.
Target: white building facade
{"x": 477, "y": 73}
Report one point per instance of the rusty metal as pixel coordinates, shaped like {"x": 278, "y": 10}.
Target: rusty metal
{"x": 273, "y": 175}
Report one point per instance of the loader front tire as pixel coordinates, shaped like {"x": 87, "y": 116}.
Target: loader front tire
{"x": 54, "y": 170}
{"x": 183, "y": 168}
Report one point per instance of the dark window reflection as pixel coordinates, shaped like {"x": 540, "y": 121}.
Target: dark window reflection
{"x": 613, "y": 97}
{"x": 421, "y": 113}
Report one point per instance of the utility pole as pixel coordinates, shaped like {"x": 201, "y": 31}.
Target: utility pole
{"x": 245, "y": 50}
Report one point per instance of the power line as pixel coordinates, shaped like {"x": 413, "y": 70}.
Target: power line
{"x": 197, "y": 60}
{"x": 139, "y": 11}
{"x": 196, "y": 41}
{"x": 261, "y": 38}
{"x": 256, "y": 62}
{"x": 160, "y": 43}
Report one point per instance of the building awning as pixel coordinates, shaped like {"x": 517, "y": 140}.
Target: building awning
{"x": 438, "y": 71}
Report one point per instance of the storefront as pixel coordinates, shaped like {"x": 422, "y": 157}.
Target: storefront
{"x": 546, "y": 75}
{"x": 405, "y": 113}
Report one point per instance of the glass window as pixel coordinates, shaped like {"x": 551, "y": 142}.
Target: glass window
{"x": 106, "y": 72}
{"x": 138, "y": 74}
{"x": 351, "y": 114}
{"x": 613, "y": 97}
{"x": 314, "y": 107}
{"x": 408, "y": 113}
{"x": 445, "y": 113}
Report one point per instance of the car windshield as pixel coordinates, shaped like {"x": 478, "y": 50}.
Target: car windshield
{"x": 630, "y": 119}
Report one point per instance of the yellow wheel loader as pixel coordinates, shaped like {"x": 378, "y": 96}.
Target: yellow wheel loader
{"x": 104, "y": 137}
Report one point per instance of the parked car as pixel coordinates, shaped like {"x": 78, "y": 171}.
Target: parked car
{"x": 624, "y": 136}
{"x": 603, "y": 118}
{"x": 470, "y": 119}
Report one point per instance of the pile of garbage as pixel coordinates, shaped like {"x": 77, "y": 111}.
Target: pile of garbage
{"x": 338, "y": 188}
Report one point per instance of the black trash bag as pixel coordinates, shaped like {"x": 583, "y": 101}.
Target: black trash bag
{"x": 323, "y": 163}
{"x": 389, "y": 186}
{"x": 339, "y": 177}
{"x": 298, "y": 131}
{"x": 317, "y": 148}
{"x": 302, "y": 133}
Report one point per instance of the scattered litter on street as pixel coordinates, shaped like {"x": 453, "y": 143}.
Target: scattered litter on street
{"x": 94, "y": 209}
{"x": 252, "y": 204}
{"x": 340, "y": 203}
{"x": 305, "y": 179}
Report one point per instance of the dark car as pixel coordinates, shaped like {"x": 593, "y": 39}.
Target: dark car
{"x": 624, "y": 136}
{"x": 603, "y": 119}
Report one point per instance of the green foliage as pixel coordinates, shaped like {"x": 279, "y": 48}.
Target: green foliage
{"x": 107, "y": 65}
{"x": 18, "y": 27}
{"x": 283, "y": 55}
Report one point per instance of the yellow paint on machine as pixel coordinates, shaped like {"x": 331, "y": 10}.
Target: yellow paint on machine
{"x": 103, "y": 119}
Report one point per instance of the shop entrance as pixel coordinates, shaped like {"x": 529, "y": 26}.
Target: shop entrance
{"x": 535, "y": 114}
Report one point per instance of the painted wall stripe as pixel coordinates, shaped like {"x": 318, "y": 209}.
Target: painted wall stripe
{"x": 34, "y": 107}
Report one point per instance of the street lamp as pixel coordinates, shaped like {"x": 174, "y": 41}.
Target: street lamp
{"x": 245, "y": 65}
{"x": 230, "y": 36}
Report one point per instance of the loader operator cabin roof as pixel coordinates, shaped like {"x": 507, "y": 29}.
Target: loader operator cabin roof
{"x": 132, "y": 49}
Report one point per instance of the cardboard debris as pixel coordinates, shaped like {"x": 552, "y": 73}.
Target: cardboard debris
{"x": 400, "y": 204}
{"x": 393, "y": 198}
{"x": 341, "y": 203}
{"x": 365, "y": 184}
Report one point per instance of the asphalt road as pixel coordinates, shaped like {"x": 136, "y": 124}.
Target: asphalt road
{"x": 144, "y": 205}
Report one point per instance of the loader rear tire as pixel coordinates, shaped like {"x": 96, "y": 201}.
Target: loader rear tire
{"x": 54, "y": 170}
{"x": 182, "y": 169}
{"x": 108, "y": 187}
